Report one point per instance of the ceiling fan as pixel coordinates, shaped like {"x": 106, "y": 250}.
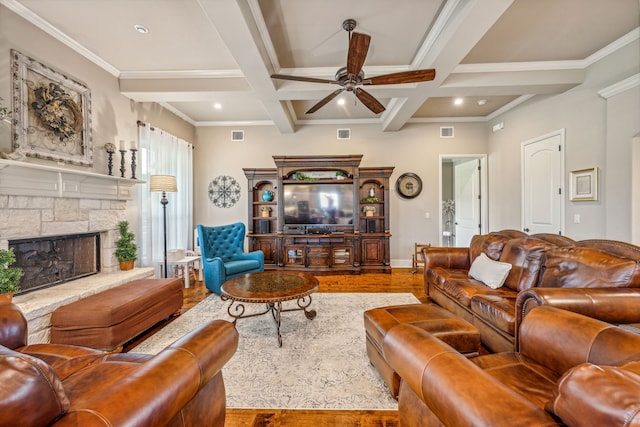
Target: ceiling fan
{"x": 352, "y": 76}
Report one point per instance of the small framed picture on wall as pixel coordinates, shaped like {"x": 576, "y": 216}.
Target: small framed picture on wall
{"x": 584, "y": 185}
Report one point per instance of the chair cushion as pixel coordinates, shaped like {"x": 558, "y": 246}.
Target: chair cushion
{"x": 31, "y": 393}
{"x": 232, "y": 268}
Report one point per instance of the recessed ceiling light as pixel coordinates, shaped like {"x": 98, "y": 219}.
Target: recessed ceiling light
{"x": 482, "y": 101}
{"x": 217, "y": 106}
{"x": 458, "y": 101}
{"x": 141, "y": 29}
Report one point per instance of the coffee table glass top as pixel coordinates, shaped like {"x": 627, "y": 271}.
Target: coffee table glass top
{"x": 270, "y": 286}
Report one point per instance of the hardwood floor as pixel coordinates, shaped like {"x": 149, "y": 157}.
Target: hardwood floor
{"x": 400, "y": 280}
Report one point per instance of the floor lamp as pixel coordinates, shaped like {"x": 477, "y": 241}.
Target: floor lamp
{"x": 165, "y": 184}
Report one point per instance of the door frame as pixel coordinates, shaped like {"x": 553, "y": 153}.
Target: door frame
{"x": 484, "y": 193}
{"x": 561, "y": 134}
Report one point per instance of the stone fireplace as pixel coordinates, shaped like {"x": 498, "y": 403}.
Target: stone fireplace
{"x": 41, "y": 204}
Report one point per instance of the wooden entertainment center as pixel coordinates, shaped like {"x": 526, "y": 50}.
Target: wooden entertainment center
{"x": 322, "y": 214}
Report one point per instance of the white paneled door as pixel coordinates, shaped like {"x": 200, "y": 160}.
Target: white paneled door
{"x": 467, "y": 200}
{"x": 543, "y": 184}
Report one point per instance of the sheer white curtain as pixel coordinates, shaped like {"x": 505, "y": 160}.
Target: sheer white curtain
{"x": 161, "y": 153}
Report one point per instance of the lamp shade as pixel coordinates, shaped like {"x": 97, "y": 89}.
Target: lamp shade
{"x": 166, "y": 183}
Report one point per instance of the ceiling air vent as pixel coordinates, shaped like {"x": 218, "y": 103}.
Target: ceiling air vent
{"x": 446, "y": 132}
{"x": 344, "y": 133}
{"x": 237, "y": 135}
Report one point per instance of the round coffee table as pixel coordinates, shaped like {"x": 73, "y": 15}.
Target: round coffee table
{"x": 271, "y": 288}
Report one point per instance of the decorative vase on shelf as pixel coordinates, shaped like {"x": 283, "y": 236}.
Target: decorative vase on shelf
{"x": 267, "y": 195}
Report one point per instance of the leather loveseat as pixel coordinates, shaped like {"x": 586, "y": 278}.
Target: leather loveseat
{"x": 65, "y": 385}
{"x": 598, "y": 278}
{"x": 570, "y": 370}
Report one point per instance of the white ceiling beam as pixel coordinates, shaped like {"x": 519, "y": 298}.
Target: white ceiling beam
{"x": 234, "y": 22}
{"x": 456, "y": 31}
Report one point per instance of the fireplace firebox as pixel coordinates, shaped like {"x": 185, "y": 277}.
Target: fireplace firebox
{"x": 52, "y": 260}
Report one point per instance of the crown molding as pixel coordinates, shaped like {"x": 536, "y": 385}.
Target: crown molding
{"x": 619, "y": 87}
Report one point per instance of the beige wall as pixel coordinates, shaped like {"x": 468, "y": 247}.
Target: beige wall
{"x": 416, "y": 148}
{"x": 598, "y": 134}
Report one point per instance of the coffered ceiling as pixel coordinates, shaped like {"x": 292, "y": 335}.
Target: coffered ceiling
{"x": 493, "y": 54}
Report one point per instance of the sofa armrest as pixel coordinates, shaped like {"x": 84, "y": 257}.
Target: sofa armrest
{"x": 156, "y": 391}
{"x": 446, "y": 258}
{"x": 13, "y": 326}
{"x": 454, "y": 389}
{"x": 612, "y": 305}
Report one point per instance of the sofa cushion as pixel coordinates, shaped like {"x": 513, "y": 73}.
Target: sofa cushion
{"x": 31, "y": 394}
{"x": 499, "y": 311}
{"x": 591, "y": 395}
{"x": 580, "y": 267}
{"x": 491, "y": 244}
{"x": 491, "y": 273}
{"x": 525, "y": 255}
{"x": 457, "y": 285}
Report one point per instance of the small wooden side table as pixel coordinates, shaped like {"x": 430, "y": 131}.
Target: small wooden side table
{"x": 185, "y": 264}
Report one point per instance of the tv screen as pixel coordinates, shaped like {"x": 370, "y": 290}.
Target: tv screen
{"x": 308, "y": 204}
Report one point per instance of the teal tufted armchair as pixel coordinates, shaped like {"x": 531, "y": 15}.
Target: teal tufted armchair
{"x": 223, "y": 255}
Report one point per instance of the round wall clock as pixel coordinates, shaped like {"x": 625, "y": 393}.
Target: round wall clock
{"x": 224, "y": 191}
{"x": 409, "y": 185}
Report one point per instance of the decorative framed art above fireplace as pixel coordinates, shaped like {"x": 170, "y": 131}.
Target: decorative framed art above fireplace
{"x": 52, "y": 113}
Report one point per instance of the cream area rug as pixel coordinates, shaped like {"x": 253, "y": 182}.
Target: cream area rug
{"x": 322, "y": 363}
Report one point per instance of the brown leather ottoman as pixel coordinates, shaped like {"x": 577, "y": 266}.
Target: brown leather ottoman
{"x": 108, "y": 319}
{"x": 452, "y": 330}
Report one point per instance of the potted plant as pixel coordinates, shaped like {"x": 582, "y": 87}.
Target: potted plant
{"x": 9, "y": 276}
{"x": 126, "y": 249}
{"x": 265, "y": 211}
{"x": 369, "y": 210}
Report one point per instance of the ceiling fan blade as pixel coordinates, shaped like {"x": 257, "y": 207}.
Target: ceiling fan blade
{"x": 369, "y": 101}
{"x": 358, "y": 48}
{"x": 324, "y": 101}
{"x": 301, "y": 79}
{"x": 414, "y": 76}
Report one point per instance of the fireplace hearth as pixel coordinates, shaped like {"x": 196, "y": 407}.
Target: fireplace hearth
{"x": 52, "y": 260}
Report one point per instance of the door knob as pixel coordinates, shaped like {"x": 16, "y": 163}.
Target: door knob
{"x": 526, "y": 230}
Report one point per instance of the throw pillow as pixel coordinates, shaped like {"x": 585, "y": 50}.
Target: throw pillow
{"x": 491, "y": 273}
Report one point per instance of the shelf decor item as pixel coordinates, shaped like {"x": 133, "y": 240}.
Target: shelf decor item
{"x": 267, "y": 196}
{"x": 369, "y": 210}
{"x": 265, "y": 211}
{"x": 110, "y": 149}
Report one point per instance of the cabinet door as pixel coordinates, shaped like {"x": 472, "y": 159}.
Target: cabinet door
{"x": 295, "y": 255}
{"x": 268, "y": 247}
{"x": 318, "y": 256}
{"x": 372, "y": 251}
{"x": 341, "y": 256}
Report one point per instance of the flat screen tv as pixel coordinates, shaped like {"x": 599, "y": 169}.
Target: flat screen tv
{"x": 313, "y": 204}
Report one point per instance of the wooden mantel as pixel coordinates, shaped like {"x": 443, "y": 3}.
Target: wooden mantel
{"x": 30, "y": 179}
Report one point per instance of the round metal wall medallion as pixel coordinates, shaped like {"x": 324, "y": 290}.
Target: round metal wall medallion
{"x": 409, "y": 185}
{"x": 224, "y": 191}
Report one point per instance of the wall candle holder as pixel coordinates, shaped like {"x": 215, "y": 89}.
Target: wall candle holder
{"x": 133, "y": 163}
{"x": 110, "y": 149}
{"x": 122, "y": 168}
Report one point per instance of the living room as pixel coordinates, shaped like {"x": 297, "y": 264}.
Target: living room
{"x": 593, "y": 97}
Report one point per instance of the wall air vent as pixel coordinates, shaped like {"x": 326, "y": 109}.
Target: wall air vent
{"x": 446, "y": 132}
{"x": 237, "y": 135}
{"x": 344, "y": 133}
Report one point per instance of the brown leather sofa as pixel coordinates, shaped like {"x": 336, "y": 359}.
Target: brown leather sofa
{"x": 66, "y": 385}
{"x": 598, "y": 278}
{"x": 570, "y": 370}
